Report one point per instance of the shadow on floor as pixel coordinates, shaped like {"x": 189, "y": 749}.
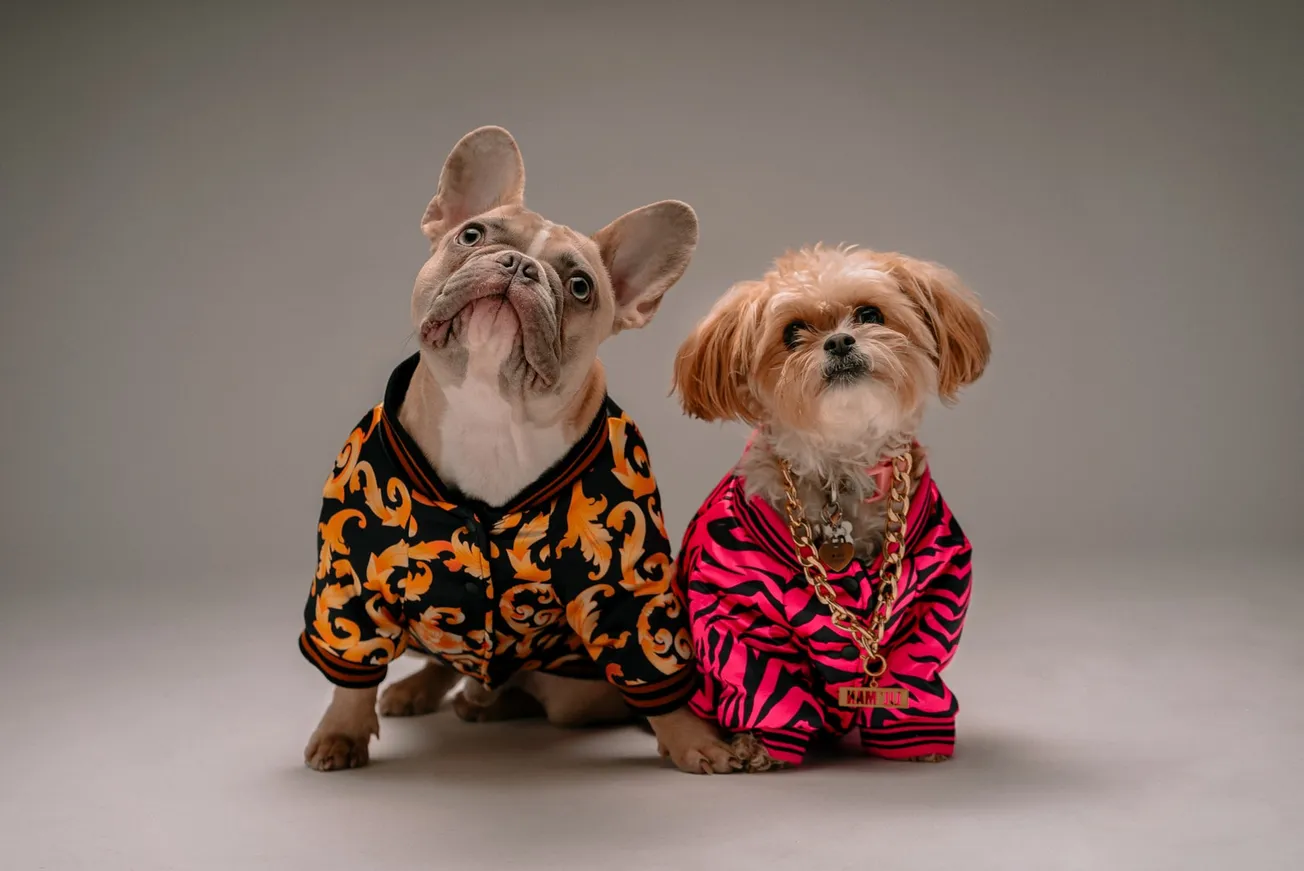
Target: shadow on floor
{"x": 990, "y": 768}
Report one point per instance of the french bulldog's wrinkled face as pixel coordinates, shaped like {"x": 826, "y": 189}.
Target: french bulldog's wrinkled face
{"x": 510, "y": 297}
{"x": 530, "y": 297}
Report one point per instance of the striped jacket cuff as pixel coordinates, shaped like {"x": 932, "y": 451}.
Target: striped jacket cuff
{"x": 339, "y": 671}
{"x": 788, "y": 746}
{"x": 910, "y": 738}
{"x": 653, "y": 700}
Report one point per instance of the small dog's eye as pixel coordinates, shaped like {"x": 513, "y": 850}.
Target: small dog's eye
{"x": 471, "y": 235}
{"x": 869, "y": 314}
{"x": 790, "y": 333}
{"x": 580, "y": 287}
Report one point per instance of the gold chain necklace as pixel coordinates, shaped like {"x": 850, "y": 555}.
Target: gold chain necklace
{"x": 866, "y": 638}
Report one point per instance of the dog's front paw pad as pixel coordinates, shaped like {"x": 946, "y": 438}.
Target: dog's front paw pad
{"x": 929, "y": 757}
{"x": 752, "y": 754}
{"x": 333, "y": 752}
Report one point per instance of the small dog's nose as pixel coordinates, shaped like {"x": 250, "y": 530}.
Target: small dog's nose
{"x": 530, "y": 270}
{"x": 509, "y": 260}
{"x": 839, "y": 344}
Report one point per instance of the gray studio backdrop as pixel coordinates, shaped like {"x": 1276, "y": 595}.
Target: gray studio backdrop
{"x": 210, "y": 234}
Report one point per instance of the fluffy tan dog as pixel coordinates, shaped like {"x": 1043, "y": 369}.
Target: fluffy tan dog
{"x": 831, "y": 356}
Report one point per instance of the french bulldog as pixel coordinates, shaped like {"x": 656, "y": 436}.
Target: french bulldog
{"x": 496, "y": 513}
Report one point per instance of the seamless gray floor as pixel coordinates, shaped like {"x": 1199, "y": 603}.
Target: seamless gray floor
{"x": 1144, "y": 714}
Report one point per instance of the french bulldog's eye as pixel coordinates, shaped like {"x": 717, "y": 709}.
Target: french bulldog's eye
{"x": 580, "y": 287}
{"x": 471, "y": 235}
{"x": 790, "y": 333}
{"x": 869, "y": 314}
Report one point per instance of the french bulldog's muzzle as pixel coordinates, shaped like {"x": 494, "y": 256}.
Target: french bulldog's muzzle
{"x": 525, "y": 284}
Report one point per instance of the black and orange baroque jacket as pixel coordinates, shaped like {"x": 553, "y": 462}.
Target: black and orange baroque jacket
{"x": 574, "y": 577}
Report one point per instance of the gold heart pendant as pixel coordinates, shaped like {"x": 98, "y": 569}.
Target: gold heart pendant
{"x": 836, "y": 554}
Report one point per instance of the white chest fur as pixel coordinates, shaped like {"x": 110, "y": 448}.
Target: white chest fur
{"x": 486, "y": 454}
{"x": 485, "y": 451}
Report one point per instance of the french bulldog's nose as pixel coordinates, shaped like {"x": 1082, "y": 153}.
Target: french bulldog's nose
{"x": 516, "y": 262}
{"x": 840, "y": 344}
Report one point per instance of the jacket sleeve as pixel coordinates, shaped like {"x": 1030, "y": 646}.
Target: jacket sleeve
{"x": 929, "y": 628}
{"x": 616, "y": 578}
{"x": 756, "y": 675}
{"x": 353, "y": 617}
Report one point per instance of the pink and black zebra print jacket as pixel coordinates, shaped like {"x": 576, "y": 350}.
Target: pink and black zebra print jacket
{"x": 772, "y": 660}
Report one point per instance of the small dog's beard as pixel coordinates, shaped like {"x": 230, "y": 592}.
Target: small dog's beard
{"x": 837, "y": 405}
{"x": 868, "y": 410}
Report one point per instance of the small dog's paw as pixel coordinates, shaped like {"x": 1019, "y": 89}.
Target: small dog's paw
{"x": 929, "y": 757}
{"x": 334, "y": 752}
{"x": 752, "y": 753}
{"x": 409, "y": 698}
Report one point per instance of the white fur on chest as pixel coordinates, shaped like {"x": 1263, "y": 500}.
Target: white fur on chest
{"x": 484, "y": 451}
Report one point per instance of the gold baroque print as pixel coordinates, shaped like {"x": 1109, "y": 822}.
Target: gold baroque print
{"x": 381, "y": 566}
{"x": 584, "y": 526}
{"x": 528, "y": 609}
{"x": 523, "y": 565}
{"x": 632, "y": 548}
{"x": 431, "y": 631}
{"x": 348, "y": 458}
{"x": 638, "y": 481}
{"x": 583, "y": 614}
{"x": 332, "y": 537}
{"x": 599, "y": 536}
{"x": 417, "y": 581}
{"x": 398, "y": 516}
{"x": 667, "y": 650}
{"x": 463, "y": 556}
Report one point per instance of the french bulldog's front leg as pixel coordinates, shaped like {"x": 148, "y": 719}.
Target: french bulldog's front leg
{"x": 344, "y": 732}
{"x": 692, "y": 744}
{"x": 419, "y": 693}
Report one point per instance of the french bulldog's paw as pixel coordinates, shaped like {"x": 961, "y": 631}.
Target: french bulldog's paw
{"x": 929, "y": 757}
{"x": 752, "y": 753}
{"x": 693, "y": 745}
{"x": 332, "y": 751}
{"x": 467, "y": 710}
{"x": 411, "y": 697}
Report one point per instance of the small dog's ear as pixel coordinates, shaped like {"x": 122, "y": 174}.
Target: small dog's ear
{"x": 713, "y": 363}
{"x": 483, "y": 171}
{"x": 955, "y": 316}
{"x": 646, "y": 251}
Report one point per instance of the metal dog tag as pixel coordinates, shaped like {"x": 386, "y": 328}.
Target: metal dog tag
{"x": 874, "y": 697}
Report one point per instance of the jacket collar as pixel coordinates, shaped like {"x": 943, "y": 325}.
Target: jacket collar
{"x": 425, "y": 482}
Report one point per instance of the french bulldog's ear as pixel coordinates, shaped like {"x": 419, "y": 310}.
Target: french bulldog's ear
{"x": 483, "y": 171}
{"x": 646, "y": 251}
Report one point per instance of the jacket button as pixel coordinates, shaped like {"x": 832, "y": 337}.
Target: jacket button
{"x": 474, "y": 589}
